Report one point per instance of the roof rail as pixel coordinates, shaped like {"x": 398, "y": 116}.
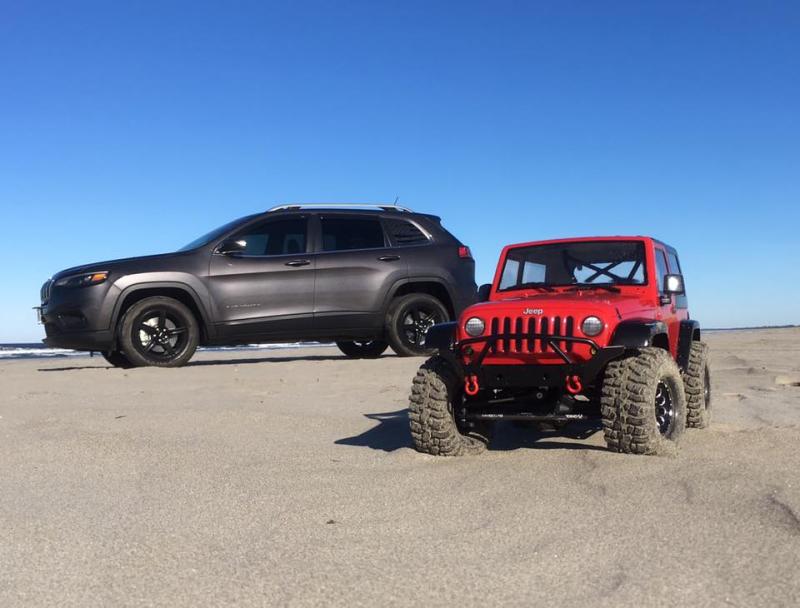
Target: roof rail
{"x": 378, "y": 206}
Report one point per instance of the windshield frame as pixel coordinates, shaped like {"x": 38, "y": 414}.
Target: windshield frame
{"x": 546, "y": 286}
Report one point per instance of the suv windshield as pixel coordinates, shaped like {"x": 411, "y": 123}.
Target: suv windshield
{"x": 586, "y": 263}
{"x": 215, "y": 234}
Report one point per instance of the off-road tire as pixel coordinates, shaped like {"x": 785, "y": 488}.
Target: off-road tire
{"x": 117, "y": 359}
{"x": 362, "y": 350}
{"x": 433, "y": 426}
{"x": 697, "y": 382}
{"x": 176, "y": 311}
{"x": 396, "y": 315}
{"x": 628, "y": 403}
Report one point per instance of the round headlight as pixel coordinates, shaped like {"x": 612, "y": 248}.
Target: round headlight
{"x": 475, "y": 327}
{"x": 591, "y": 326}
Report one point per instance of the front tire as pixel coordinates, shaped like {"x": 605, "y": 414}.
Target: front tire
{"x": 643, "y": 404}
{"x": 697, "y": 380}
{"x": 117, "y": 359}
{"x": 159, "y": 332}
{"x": 409, "y": 319}
{"x": 369, "y": 349}
{"x": 434, "y": 429}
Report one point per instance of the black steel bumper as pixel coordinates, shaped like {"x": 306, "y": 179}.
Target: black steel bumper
{"x": 537, "y": 375}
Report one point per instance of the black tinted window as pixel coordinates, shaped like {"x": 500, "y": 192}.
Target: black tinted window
{"x": 575, "y": 262}
{"x": 674, "y": 264}
{"x": 661, "y": 268}
{"x": 405, "y": 233}
{"x": 340, "y": 234}
{"x": 279, "y": 237}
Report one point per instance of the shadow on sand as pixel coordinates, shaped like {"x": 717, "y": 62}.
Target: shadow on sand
{"x": 248, "y": 361}
{"x": 391, "y": 433}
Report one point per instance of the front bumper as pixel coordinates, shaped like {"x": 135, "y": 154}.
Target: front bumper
{"x": 498, "y": 376}
{"x": 71, "y": 318}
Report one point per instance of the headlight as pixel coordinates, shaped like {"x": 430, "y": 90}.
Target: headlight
{"x": 591, "y": 326}
{"x": 474, "y": 327}
{"x": 82, "y": 280}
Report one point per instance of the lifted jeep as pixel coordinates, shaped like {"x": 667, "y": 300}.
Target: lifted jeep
{"x": 570, "y": 329}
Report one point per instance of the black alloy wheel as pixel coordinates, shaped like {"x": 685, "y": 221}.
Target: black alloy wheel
{"x": 408, "y": 321}
{"x": 160, "y": 332}
{"x": 665, "y": 409}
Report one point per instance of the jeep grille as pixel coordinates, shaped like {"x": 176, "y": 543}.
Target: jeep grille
{"x": 547, "y": 326}
{"x": 44, "y": 294}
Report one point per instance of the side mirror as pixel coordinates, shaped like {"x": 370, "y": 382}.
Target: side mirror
{"x": 673, "y": 284}
{"x": 232, "y": 246}
{"x": 483, "y": 292}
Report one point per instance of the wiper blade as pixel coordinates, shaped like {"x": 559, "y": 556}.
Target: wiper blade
{"x": 607, "y": 286}
{"x": 533, "y": 285}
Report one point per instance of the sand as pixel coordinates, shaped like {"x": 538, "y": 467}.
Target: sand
{"x": 287, "y": 478}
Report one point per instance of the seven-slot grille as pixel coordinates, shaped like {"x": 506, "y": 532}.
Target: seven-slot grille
{"x": 44, "y": 294}
{"x": 547, "y": 326}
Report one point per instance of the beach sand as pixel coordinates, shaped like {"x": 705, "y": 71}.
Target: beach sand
{"x": 287, "y": 478}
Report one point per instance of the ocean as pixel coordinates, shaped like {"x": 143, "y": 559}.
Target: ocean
{"x": 35, "y": 350}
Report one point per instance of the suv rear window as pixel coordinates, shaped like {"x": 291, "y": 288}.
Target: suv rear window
{"x": 403, "y": 233}
{"x": 343, "y": 234}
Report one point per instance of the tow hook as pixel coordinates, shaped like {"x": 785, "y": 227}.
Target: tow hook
{"x": 471, "y": 386}
{"x": 574, "y": 385}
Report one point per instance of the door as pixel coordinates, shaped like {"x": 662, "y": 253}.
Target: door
{"x": 356, "y": 268}
{"x": 267, "y": 290}
{"x": 668, "y": 310}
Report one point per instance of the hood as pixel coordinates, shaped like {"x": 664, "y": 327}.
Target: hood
{"x": 125, "y": 265}
{"x": 603, "y": 303}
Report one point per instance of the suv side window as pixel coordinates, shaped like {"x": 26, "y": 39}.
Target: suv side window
{"x": 661, "y": 268}
{"x": 345, "y": 234}
{"x": 404, "y": 234}
{"x": 275, "y": 237}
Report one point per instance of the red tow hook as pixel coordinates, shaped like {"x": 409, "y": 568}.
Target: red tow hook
{"x": 574, "y": 385}
{"x": 471, "y": 386}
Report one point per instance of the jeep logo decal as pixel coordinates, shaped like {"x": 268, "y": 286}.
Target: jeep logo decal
{"x": 532, "y": 311}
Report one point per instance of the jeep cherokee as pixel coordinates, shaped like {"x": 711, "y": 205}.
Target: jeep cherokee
{"x": 365, "y": 276}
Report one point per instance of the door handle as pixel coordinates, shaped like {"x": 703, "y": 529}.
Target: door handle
{"x": 388, "y": 258}
{"x": 296, "y": 263}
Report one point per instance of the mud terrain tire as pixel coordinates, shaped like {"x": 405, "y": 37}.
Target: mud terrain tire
{"x": 633, "y": 422}
{"x": 697, "y": 382}
{"x": 433, "y": 426}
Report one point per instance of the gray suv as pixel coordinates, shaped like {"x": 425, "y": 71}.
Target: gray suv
{"x": 364, "y": 276}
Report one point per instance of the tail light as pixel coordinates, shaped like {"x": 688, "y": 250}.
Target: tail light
{"x": 464, "y": 253}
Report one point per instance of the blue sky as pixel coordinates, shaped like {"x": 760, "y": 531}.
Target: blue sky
{"x": 129, "y": 128}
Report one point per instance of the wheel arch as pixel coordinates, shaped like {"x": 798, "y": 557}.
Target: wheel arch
{"x": 178, "y": 291}
{"x": 639, "y": 333}
{"x": 432, "y": 287}
{"x": 689, "y": 332}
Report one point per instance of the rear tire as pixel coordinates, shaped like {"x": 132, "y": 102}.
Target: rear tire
{"x": 697, "y": 381}
{"x": 408, "y": 320}
{"x": 433, "y": 425}
{"x": 371, "y": 349}
{"x": 643, "y": 404}
{"x": 159, "y": 332}
{"x": 117, "y": 359}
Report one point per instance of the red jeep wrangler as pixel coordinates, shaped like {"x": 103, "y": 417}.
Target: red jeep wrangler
{"x": 571, "y": 329}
